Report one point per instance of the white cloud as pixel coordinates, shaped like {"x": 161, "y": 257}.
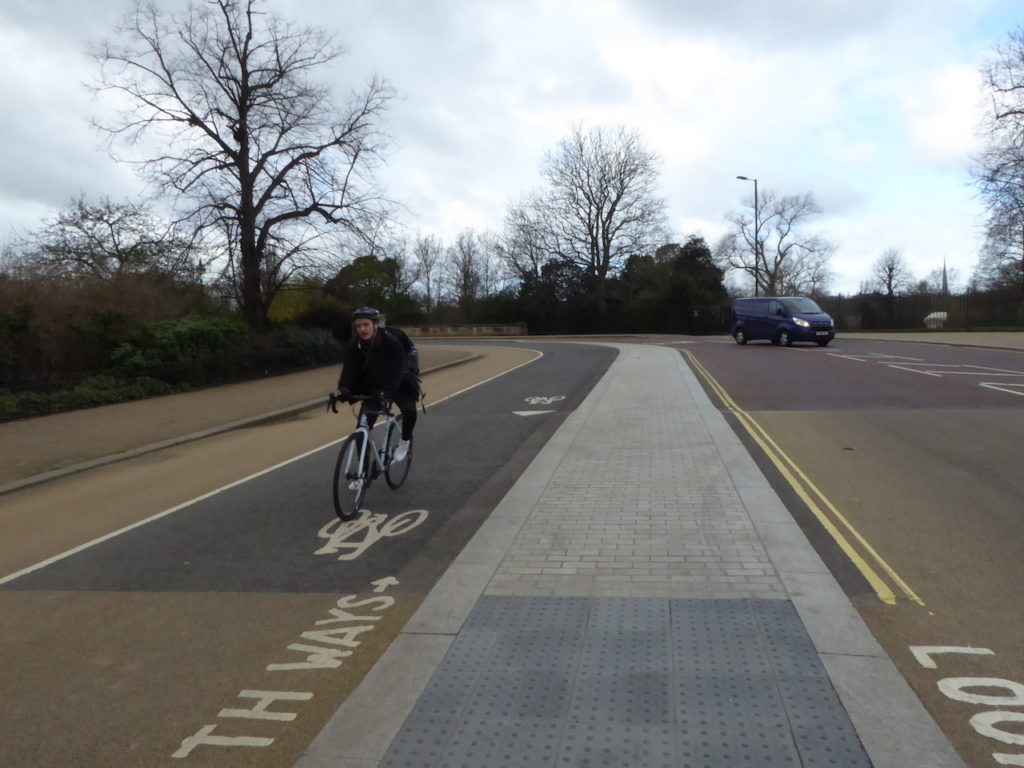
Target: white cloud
{"x": 943, "y": 116}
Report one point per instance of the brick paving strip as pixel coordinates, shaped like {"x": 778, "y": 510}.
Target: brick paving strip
{"x": 634, "y": 510}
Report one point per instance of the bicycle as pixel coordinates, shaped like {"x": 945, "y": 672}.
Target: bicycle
{"x": 361, "y": 460}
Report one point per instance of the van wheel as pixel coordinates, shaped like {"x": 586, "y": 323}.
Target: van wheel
{"x": 740, "y": 336}
{"x": 785, "y": 339}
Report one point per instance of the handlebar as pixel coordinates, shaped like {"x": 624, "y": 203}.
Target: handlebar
{"x": 333, "y": 399}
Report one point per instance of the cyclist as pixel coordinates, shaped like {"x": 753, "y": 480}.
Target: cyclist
{"x": 374, "y": 365}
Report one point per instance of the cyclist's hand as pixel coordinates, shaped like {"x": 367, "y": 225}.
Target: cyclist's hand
{"x": 341, "y": 396}
{"x": 344, "y": 395}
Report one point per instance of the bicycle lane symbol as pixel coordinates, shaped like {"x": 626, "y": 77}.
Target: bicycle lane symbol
{"x": 539, "y": 400}
{"x": 344, "y": 536}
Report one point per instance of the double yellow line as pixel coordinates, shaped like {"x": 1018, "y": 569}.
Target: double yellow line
{"x": 831, "y": 519}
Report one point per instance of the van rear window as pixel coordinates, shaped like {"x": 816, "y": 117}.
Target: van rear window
{"x": 803, "y": 307}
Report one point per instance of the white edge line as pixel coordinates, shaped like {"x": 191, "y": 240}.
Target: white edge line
{"x": 1002, "y": 387}
{"x": 166, "y": 512}
{"x": 914, "y": 370}
{"x": 984, "y": 373}
{"x": 931, "y": 365}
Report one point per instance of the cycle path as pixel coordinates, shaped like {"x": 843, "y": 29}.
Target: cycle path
{"x": 640, "y": 597}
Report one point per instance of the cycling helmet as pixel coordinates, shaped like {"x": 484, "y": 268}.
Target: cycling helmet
{"x": 368, "y": 312}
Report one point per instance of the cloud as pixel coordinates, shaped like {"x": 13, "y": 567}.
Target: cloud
{"x": 48, "y": 151}
{"x": 942, "y": 118}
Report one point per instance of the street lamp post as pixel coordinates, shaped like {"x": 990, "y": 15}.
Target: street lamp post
{"x": 757, "y": 235}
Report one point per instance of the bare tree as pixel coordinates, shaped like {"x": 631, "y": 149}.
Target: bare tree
{"x": 600, "y": 206}
{"x": 524, "y": 245}
{"x": 465, "y": 260}
{"x": 938, "y": 282}
{"x": 494, "y": 272}
{"x": 793, "y": 261}
{"x": 427, "y": 254}
{"x": 999, "y": 169}
{"x": 251, "y": 148}
{"x": 1001, "y": 261}
{"x": 107, "y": 241}
{"x": 890, "y": 274}
{"x": 809, "y": 275}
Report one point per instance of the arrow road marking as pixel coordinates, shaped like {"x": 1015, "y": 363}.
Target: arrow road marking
{"x": 382, "y": 584}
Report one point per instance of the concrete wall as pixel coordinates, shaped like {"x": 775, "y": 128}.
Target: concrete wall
{"x": 422, "y": 331}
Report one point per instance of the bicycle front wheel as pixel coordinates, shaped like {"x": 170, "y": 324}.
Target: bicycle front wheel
{"x": 350, "y": 478}
{"x": 395, "y": 472}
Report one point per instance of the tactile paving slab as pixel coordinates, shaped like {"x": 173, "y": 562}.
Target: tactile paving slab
{"x": 638, "y": 682}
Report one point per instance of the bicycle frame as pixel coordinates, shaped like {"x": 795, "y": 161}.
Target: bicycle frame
{"x": 363, "y": 425}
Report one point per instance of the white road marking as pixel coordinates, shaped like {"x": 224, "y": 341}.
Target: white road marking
{"x": 873, "y": 356}
{"x": 1008, "y": 388}
{"x": 924, "y": 653}
{"x": 317, "y": 657}
{"x": 941, "y": 370}
{"x": 205, "y": 736}
{"x": 372, "y": 526}
{"x": 984, "y": 723}
{"x": 383, "y": 584}
{"x": 261, "y": 710}
{"x": 530, "y": 413}
{"x": 914, "y": 370}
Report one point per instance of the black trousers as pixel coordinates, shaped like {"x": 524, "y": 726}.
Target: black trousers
{"x": 406, "y": 397}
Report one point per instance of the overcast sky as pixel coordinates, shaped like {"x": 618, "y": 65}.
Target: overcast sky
{"x": 872, "y": 105}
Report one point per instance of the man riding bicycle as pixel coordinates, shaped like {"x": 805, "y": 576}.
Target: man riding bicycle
{"x": 375, "y": 365}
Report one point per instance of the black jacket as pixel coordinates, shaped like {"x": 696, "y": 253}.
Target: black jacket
{"x": 373, "y": 366}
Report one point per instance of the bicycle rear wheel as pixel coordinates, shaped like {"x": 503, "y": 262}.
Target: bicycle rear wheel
{"x": 350, "y": 479}
{"x": 396, "y": 472}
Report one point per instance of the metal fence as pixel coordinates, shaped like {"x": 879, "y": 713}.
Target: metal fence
{"x": 968, "y": 310}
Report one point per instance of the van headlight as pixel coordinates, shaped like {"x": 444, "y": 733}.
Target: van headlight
{"x": 801, "y": 322}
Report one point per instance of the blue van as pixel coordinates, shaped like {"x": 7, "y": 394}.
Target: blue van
{"x": 781, "y": 321}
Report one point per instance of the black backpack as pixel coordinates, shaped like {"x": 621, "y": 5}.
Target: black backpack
{"x": 412, "y": 355}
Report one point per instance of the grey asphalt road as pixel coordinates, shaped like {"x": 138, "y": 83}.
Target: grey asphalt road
{"x": 123, "y": 653}
{"x": 918, "y": 447}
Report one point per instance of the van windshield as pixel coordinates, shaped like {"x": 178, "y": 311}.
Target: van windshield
{"x": 803, "y": 307}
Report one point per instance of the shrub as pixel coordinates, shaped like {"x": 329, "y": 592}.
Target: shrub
{"x": 329, "y": 316}
{"x": 161, "y": 358}
{"x": 308, "y": 346}
{"x": 290, "y": 347}
{"x": 20, "y": 343}
{"x": 191, "y": 350}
